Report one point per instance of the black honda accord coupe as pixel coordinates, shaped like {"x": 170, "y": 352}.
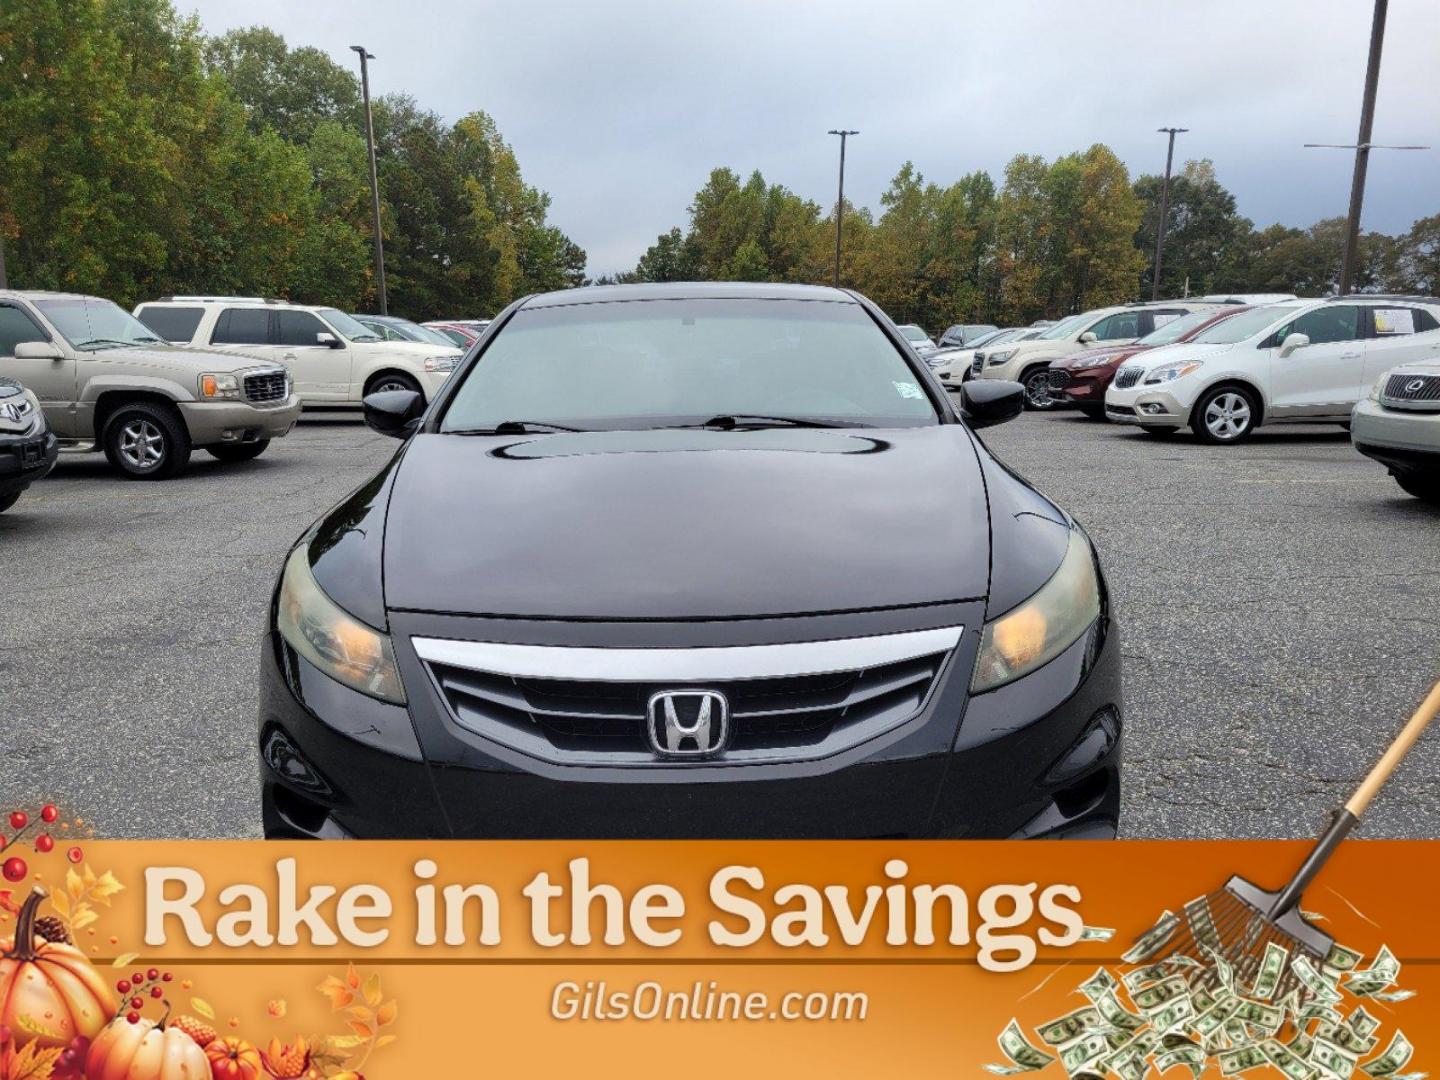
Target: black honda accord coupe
{"x": 712, "y": 560}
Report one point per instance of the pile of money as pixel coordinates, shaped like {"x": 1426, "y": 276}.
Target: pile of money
{"x": 1198, "y": 1012}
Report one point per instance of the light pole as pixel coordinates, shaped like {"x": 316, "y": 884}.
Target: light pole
{"x": 1362, "y": 147}
{"x": 1164, "y": 210}
{"x": 3, "y": 285}
{"x": 840, "y": 198}
{"x": 374, "y": 180}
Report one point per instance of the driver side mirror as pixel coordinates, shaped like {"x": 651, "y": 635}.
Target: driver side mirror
{"x": 329, "y": 340}
{"x": 38, "y": 350}
{"x": 396, "y": 413}
{"x": 1293, "y": 342}
{"x": 1088, "y": 338}
{"x": 987, "y": 402}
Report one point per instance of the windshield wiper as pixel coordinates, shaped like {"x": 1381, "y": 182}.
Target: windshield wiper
{"x": 517, "y": 427}
{"x": 732, "y": 421}
{"x": 100, "y": 343}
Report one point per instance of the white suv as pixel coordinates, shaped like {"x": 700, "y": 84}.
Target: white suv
{"x": 332, "y": 358}
{"x": 1299, "y": 361}
{"x": 1028, "y": 362}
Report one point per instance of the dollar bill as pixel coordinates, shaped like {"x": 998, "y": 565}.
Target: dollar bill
{"x": 1267, "y": 1017}
{"x": 1162, "y": 993}
{"x": 1141, "y": 976}
{"x": 1023, "y": 1057}
{"x": 1102, "y": 982}
{"x": 1116, "y": 1015}
{"x": 1287, "y": 1061}
{"x": 1240, "y": 1059}
{"x": 1313, "y": 981}
{"x": 1213, "y": 1019}
{"x": 1342, "y": 959}
{"x": 1380, "y": 975}
{"x": 1346, "y": 1038}
{"x": 1335, "y": 1060}
{"x": 1223, "y": 971}
{"x": 1097, "y": 933}
{"x": 1153, "y": 940}
{"x": 1391, "y": 996}
{"x": 1396, "y": 1056}
{"x": 1083, "y": 1052}
{"x": 1191, "y": 1056}
{"x": 1302, "y": 1044}
{"x": 1361, "y": 1022}
{"x": 1272, "y": 966}
{"x": 1069, "y": 1027}
{"x": 1173, "y": 1015}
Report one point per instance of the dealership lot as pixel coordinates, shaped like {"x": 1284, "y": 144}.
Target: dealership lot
{"x": 1278, "y": 604}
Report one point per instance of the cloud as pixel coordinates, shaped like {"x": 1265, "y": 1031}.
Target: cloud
{"x": 620, "y": 109}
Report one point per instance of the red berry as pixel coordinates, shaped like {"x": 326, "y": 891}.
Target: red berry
{"x": 133, "y": 1017}
{"x": 152, "y": 974}
{"x": 138, "y": 978}
{"x": 15, "y": 869}
{"x": 166, "y": 977}
{"x": 156, "y": 992}
{"x": 75, "y": 854}
{"x": 123, "y": 986}
{"x": 48, "y": 813}
{"x": 137, "y": 1003}
{"x": 44, "y": 843}
{"x": 19, "y": 819}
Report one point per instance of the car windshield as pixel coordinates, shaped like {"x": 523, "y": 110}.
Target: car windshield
{"x": 346, "y": 327}
{"x": 914, "y": 333}
{"x": 638, "y": 364}
{"x": 91, "y": 324}
{"x": 1239, "y": 327}
{"x": 994, "y": 337}
{"x": 1065, "y": 327}
{"x": 454, "y": 336}
{"x": 1175, "y": 329}
{"x": 415, "y": 332}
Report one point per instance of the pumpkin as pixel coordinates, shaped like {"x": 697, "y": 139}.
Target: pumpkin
{"x": 49, "y": 993}
{"x": 145, "y": 1050}
{"x": 233, "y": 1059}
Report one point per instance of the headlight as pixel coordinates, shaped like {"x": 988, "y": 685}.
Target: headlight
{"x": 441, "y": 363}
{"x": 999, "y": 357}
{"x": 1171, "y": 372}
{"x": 335, "y": 642}
{"x": 1040, "y": 629}
{"x": 1379, "y": 387}
{"x": 219, "y": 386}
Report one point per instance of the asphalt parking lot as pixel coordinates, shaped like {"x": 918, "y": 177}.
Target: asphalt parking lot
{"x": 1279, "y": 605}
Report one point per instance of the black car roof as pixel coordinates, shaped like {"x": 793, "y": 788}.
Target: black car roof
{"x": 688, "y": 290}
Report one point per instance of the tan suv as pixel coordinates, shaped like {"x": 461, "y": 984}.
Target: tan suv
{"x": 105, "y": 382}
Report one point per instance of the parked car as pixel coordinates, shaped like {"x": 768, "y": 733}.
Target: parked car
{"x": 333, "y": 359}
{"x": 952, "y": 366}
{"x": 732, "y": 654}
{"x": 1029, "y": 362}
{"x": 28, "y": 448}
{"x": 1299, "y": 361}
{"x": 967, "y": 335}
{"x": 461, "y": 335}
{"x": 393, "y": 328}
{"x": 921, "y": 341}
{"x": 1399, "y": 425}
{"x": 1081, "y": 379}
{"x": 106, "y": 382}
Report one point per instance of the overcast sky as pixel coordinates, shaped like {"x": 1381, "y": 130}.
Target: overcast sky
{"x": 620, "y": 108}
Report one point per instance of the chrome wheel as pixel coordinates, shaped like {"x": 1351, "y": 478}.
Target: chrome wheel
{"x": 142, "y": 444}
{"x": 388, "y": 384}
{"x": 1037, "y": 390}
{"x": 1227, "y": 417}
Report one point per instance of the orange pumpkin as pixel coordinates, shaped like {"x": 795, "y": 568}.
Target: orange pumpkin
{"x": 145, "y": 1051}
{"x": 233, "y": 1059}
{"x": 49, "y": 984}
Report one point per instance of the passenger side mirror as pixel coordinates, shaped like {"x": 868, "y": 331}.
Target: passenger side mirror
{"x": 395, "y": 413}
{"x": 1293, "y": 342}
{"x": 987, "y": 402}
{"x": 1088, "y": 338}
{"x": 38, "y": 350}
{"x": 330, "y": 340}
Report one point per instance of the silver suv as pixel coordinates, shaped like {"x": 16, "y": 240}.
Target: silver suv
{"x": 106, "y": 382}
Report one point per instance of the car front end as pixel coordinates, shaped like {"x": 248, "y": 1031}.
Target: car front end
{"x": 1398, "y": 425}
{"x": 1157, "y": 389}
{"x": 237, "y": 405}
{"x": 1081, "y": 379}
{"x": 28, "y": 448}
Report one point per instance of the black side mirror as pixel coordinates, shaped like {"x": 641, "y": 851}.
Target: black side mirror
{"x": 395, "y": 413}
{"x": 987, "y": 402}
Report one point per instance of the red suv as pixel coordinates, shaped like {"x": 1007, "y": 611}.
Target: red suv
{"x": 1081, "y": 379}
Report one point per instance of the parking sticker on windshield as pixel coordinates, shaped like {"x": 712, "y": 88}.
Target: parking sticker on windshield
{"x": 909, "y": 390}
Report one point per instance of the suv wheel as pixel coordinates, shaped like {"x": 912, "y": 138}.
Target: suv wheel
{"x": 393, "y": 380}
{"x": 232, "y": 452}
{"x": 1424, "y": 488}
{"x": 1037, "y": 388}
{"x": 147, "y": 441}
{"x": 1225, "y": 415}
{"x": 9, "y": 500}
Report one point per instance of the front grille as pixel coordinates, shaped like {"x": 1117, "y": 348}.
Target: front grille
{"x": 267, "y": 386}
{"x": 1401, "y": 387}
{"x": 978, "y": 364}
{"x": 591, "y": 721}
{"x": 1059, "y": 380}
{"x": 1127, "y": 377}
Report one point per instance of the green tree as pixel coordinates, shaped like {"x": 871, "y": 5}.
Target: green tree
{"x": 289, "y": 90}
{"x": 1205, "y": 237}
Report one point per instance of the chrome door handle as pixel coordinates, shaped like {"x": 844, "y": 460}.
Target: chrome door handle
{"x": 1350, "y": 356}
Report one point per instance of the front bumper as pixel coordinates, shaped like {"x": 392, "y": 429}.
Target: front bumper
{"x": 1402, "y": 440}
{"x": 212, "y": 423}
{"x": 1085, "y": 386}
{"x": 26, "y": 458}
{"x": 1147, "y": 406}
{"x": 1040, "y": 757}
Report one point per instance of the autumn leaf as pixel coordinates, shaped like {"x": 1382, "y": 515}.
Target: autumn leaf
{"x": 59, "y": 901}
{"x": 203, "y": 1007}
{"x": 384, "y": 1040}
{"x": 365, "y": 1031}
{"x": 28, "y": 1023}
{"x": 343, "y": 1042}
{"x": 372, "y": 989}
{"x": 73, "y": 884}
{"x": 352, "y": 977}
{"x": 84, "y": 915}
{"x": 339, "y": 994}
{"x": 386, "y": 1013}
{"x": 105, "y": 888}
{"x": 33, "y": 1063}
{"x": 124, "y": 959}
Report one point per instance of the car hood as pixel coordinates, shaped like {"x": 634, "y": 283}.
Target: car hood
{"x": 686, "y": 524}
{"x": 1422, "y": 367}
{"x": 1184, "y": 351}
{"x": 195, "y": 357}
{"x": 1107, "y": 354}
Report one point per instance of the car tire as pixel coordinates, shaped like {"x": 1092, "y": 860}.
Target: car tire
{"x": 393, "y": 380}
{"x": 1094, "y": 412}
{"x": 1424, "y": 488}
{"x": 1225, "y": 415}
{"x": 147, "y": 441}
{"x": 233, "y": 452}
{"x": 9, "y": 500}
{"x": 1037, "y": 388}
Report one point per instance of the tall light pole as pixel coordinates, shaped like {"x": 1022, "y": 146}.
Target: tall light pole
{"x": 3, "y": 285}
{"x": 1164, "y": 210}
{"x": 1362, "y": 147}
{"x": 374, "y": 179}
{"x": 840, "y": 198}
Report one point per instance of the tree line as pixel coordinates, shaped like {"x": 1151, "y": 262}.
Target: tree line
{"x": 140, "y": 158}
{"x": 1050, "y": 239}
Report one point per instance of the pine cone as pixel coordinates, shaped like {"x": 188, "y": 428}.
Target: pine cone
{"x": 52, "y": 929}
